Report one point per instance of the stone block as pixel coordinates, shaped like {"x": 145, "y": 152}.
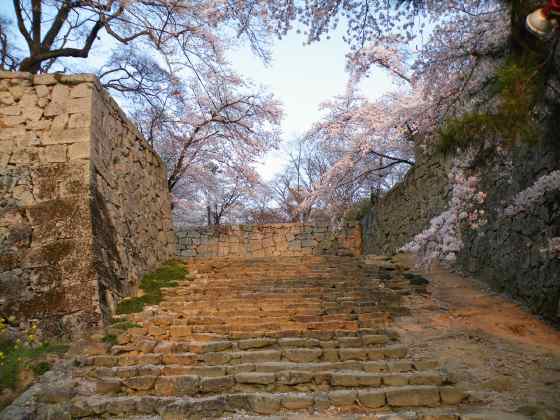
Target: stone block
{"x": 140, "y": 383}
{"x": 6, "y": 98}
{"x": 354, "y": 379}
{"x": 330, "y": 355}
{"x": 395, "y": 352}
{"x": 265, "y": 403}
{"x": 372, "y": 399}
{"x": 298, "y": 342}
{"x": 256, "y": 343}
{"x": 353, "y": 354}
{"x": 260, "y": 356}
{"x": 343, "y": 398}
{"x": 217, "y": 358}
{"x": 216, "y": 384}
{"x": 294, "y": 377}
{"x": 42, "y": 91}
{"x": 53, "y": 154}
{"x": 374, "y": 339}
{"x": 298, "y": 401}
{"x": 180, "y": 358}
{"x": 299, "y": 355}
{"x": 79, "y": 120}
{"x": 108, "y": 386}
{"x": 395, "y": 380}
{"x": 214, "y": 346}
{"x": 177, "y": 385}
{"x": 400, "y": 366}
{"x": 255, "y": 378}
{"x": 82, "y": 90}
{"x": 452, "y": 395}
{"x": 413, "y": 396}
{"x": 425, "y": 378}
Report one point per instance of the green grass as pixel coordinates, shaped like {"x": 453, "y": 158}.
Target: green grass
{"x": 110, "y": 339}
{"x": 17, "y": 357}
{"x": 151, "y": 284}
{"x": 40, "y": 368}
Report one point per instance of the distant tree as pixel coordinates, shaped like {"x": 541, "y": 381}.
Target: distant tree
{"x": 221, "y": 195}
{"x": 261, "y": 208}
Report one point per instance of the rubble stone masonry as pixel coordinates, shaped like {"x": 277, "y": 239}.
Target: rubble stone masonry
{"x": 84, "y": 208}
{"x": 290, "y": 239}
{"x": 511, "y": 253}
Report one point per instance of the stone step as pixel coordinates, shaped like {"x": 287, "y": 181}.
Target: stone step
{"x": 159, "y": 327}
{"x": 375, "y": 286}
{"x": 267, "y": 336}
{"x": 206, "y": 346}
{"x": 399, "y": 366}
{"x": 266, "y": 403}
{"x": 283, "y": 284}
{"x": 257, "y": 317}
{"x": 299, "y": 322}
{"x": 294, "y": 354}
{"x": 265, "y": 328}
{"x": 179, "y": 311}
{"x": 155, "y": 380}
{"x": 439, "y": 413}
{"x": 273, "y": 291}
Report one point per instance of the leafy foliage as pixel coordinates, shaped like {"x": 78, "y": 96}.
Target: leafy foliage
{"x": 151, "y": 284}
{"x": 110, "y": 339}
{"x": 41, "y": 368}
{"x": 516, "y": 89}
{"x": 17, "y": 355}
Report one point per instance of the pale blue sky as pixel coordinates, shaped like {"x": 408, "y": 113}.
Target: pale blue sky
{"x": 301, "y": 77}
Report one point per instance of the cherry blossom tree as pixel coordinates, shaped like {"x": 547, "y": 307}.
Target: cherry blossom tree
{"x": 55, "y": 29}
{"x": 219, "y": 120}
{"x": 358, "y": 147}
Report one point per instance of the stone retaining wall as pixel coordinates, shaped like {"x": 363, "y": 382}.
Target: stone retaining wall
{"x": 512, "y": 253}
{"x": 407, "y": 209}
{"x": 293, "y": 239}
{"x": 84, "y": 208}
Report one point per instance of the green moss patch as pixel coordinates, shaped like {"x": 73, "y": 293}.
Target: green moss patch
{"x": 151, "y": 284}
{"x": 515, "y": 89}
{"x": 358, "y": 210}
{"x": 110, "y": 339}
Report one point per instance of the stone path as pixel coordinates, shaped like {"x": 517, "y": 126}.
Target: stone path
{"x": 269, "y": 338}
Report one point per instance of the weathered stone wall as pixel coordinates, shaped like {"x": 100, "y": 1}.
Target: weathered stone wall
{"x": 407, "y": 209}
{"x": 510, "y": 252}
{"x": 83, "y": 203}
{"x": 292, "y": 239}
{"x": 131, "y": 217}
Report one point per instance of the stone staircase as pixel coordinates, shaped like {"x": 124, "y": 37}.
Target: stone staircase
{"x": 269, "y": 336}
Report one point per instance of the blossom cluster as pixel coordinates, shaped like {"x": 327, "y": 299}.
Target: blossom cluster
{"x": 531, "y": 196}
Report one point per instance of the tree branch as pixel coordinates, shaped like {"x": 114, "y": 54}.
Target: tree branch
{"x": 21, "y": 24}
